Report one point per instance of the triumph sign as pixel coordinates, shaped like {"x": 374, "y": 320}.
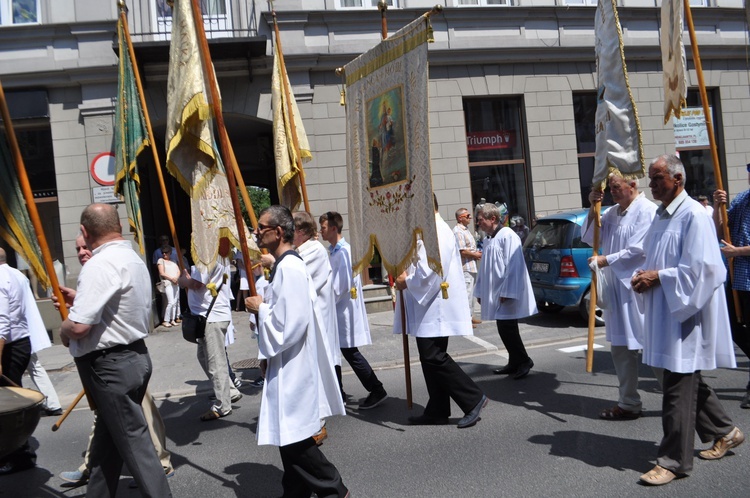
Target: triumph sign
{"x": 484, "y": 140}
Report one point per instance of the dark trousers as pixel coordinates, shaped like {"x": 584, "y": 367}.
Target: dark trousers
{"x": 511, "y": 337}
{"x": 363, "y": 369}
{"x": 116, "y": 379}
{"x": 306, "y": 470}
{"x": 445, "y": 379}
{"x": 740, "y": 330}
{"x": 15, "y": 359}
{"x": 688, "y": 405}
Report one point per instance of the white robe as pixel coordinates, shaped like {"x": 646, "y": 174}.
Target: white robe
{"x": 503, "y": 273}
{"x": 318, "y": 265}
{"x": 622, "y": 244}
{"x": 354, "y": 329}
{"x": 686, "y": 321}
{"x": 37, "y": 331}
{"x": 301, "y": 386}
{"x": 427, "y": 313}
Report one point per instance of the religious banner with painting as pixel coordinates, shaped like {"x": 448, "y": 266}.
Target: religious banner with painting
{"x": 388, "y": 151}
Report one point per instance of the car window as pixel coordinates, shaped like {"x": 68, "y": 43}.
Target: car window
{"x": 548, "y": 234}
{"x": 577, "y": 242}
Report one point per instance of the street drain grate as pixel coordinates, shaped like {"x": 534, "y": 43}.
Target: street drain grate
{"x": 246, "y": 364}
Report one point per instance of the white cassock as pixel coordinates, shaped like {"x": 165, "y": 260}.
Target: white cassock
{"x": 427, "y": 313}
{"x": 354, "y": 329}
{"x": 318, "y": 265}
{"x": 622, "y": 243}
{"x": 37, "y": 331}
{"x": 301, "y": 386}
{"x": 686, "y": 321}
{"x": 503, "y": 273}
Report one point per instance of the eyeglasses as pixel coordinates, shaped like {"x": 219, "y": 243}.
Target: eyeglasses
{"x": 467, "y": 216}
{"x": 262, "y": 227}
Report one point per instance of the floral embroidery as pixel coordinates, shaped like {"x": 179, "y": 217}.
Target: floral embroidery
{"x": 389, "y": 202}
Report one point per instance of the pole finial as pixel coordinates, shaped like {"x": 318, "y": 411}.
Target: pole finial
{"x": 121, "y": 4}
{"x": 382, "y": 5}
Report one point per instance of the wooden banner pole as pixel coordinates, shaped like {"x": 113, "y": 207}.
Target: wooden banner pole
{"x": 597, "y": 207}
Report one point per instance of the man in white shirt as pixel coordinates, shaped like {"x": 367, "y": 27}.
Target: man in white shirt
{"x": 110, "y": 317}
{"x": 301, "y": 387}
{"x": 686, "y": 327}
{"x": 15, "y": 349}
{"x": 467, "y": 244}
{"x": 623, "y": 229}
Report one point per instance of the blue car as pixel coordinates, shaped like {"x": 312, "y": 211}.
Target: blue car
{"x": 557, "y": 260}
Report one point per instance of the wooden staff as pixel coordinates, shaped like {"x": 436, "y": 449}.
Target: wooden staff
{"x": 150, "y": 131}
{"x": 290, "y": 114}
{"x": 223, "y": 140}
{"x": 597, "y": 209}
{"x": 67, "y": 411}
{"x": 712, "y": 144}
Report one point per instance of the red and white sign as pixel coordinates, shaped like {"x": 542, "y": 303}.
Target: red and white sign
{"x": 103, "y": 169}
{"x": 485, "y": 140}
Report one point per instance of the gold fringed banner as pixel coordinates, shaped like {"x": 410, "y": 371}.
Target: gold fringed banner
{"x": 388, "y": 151}
{"x": 673, "y": 58}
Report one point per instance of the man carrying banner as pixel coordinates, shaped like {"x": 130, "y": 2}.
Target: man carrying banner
{"x": 432, "y": 317}
{"x": 623, "y": 229}
{"x": 504, "y": 288}
{"x": 354, "y": 330}
{"x": 686, "y": 327}
{"x": 110, "y": 317}
{"x": 300, "y": 387}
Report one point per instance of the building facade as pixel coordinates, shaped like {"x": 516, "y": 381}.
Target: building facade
{"x": 512, "y": 97}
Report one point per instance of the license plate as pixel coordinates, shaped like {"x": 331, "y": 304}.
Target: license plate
{"x": 539, "y": 267}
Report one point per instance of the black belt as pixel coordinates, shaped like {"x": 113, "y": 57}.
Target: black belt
{"x": 138, "y": 346}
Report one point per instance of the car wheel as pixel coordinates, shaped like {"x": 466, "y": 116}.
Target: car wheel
{"x": 583, "y": 308}
{"x": 548, "y": 307}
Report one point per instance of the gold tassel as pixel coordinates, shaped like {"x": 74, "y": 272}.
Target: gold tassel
{"x": 267, "y": 273}
{"x": 444, "y": 289}
{"x": 353, "y": 292}
{"x": 430, "y": 34}
{"x": 343, "y": 97}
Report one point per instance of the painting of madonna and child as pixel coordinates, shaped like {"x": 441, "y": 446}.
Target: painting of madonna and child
{"x": 385, "y": 133}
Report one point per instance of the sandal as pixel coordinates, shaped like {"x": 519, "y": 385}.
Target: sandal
{"x": 617, "y": 413}
{"x": 212, "y": 414}
{"x": 166, "y": 324}
{"x": 658, "y": 476}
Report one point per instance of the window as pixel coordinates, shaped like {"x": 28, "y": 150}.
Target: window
{"x": 216, "y": 21}
{"x": 587, "y": 3}
{"x": 14, "y": 12}
{"x": 363, "y": 4}
{"x": 481, "y": 3}
{"x": 495, "y": 142}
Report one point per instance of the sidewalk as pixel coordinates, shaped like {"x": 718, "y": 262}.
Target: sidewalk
{"x": 176, "y": 371}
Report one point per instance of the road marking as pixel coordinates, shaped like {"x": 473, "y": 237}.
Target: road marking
{"x": 488, "y": 346}
{"x": 575, "y": 349}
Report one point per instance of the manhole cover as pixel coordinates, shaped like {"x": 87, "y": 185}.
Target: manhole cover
{"x": 246, "y": 364}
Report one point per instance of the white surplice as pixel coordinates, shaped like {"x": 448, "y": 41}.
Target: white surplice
{"x": 686, "y": 321}
{"x": 318, "y": 265}
{"x": 354, "y": 329}
{"x": 622, "y": 243}
{"x": 503, "y": 273}
{"x": 427, "y": 313}
{"x": 301, "y": 386}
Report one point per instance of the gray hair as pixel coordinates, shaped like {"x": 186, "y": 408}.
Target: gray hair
{"x": 489, "y": 210}
{"x": 672, "y": 163}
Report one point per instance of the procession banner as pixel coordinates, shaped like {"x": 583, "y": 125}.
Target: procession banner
{"x": 285, "y": 153}
{"x": 673, "y": 58}
{"x": 388, "y": 151}
{"x": 191, "y": 155}
{"x": 130, "y": 139}
{"x": 618, "y": 130}
{"x": 16, "y": 228}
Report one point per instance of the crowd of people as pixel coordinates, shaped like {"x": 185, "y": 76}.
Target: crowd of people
{"x": 310, "y": 313}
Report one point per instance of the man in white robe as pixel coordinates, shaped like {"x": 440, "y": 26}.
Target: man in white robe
{"x": 300, "y": 387}
{"x": 686, "y": 326}
{"x": 503, "y": 287}
{"x": 432, "y": 318}
{"x": 623, "y": 229}
{"x": 354, "y": 329}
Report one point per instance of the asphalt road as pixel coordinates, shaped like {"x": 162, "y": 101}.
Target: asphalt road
{"x": 539, "y": 436}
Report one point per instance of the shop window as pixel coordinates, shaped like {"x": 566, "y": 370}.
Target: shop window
{"x": 495, "y": 141}
{"x": 13, "y": 12}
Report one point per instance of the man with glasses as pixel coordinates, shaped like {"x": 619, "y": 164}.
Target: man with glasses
{"x": 467, "y": 246}
{"x": 354, "y": 330}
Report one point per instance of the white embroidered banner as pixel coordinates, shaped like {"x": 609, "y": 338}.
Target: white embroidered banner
{"x": 673, "y": 58}
{"x": 618, "y": 130}
{"x": 388, "y": 153}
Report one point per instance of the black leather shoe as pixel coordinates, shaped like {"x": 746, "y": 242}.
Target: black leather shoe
{"x": 506, "y": 370}
{"x": 51, "y": 413}
{"x": 428, "y": 420}
{"x": 523, "y": 369}
{"x": 11, "y": 467}
{"x": 472, "y": 417}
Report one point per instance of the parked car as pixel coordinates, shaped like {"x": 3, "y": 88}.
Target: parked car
{"x": 557, "y": 260}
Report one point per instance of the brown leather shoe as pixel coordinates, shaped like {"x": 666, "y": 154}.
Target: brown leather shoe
{"x": 475, "y": 321}
{"x": 723, "y": 444}
{"x": 319, "y": 437}
{"x": 658, "y": 476}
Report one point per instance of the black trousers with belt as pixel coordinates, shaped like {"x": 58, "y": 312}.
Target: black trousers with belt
{"x": 445, "y": 379}
{"x": 15, "y": 359}
{"x": 116, "y": 379}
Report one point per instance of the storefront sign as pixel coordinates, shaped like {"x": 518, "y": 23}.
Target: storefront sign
{"x": 485, "y": 140}
{"x": 690, "y": 129}
{"x": 106, "y": 195}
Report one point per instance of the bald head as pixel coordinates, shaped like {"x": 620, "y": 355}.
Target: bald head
{"x": 100, "y": 223}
